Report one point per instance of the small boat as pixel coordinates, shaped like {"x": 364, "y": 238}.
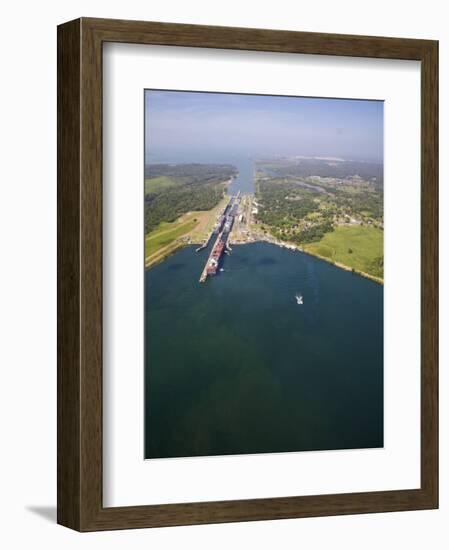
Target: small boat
{"x": 299, "y": 299}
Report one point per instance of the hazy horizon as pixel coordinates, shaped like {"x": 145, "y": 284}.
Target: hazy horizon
{"x": 196, "y": 126}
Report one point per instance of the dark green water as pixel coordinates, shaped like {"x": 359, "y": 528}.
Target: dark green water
{"x": 236, "y": 366}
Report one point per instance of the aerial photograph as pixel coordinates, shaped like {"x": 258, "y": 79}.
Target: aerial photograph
{"x": 264, "y": 271}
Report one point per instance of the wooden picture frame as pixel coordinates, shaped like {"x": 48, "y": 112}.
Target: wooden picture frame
{"x": 80, "y": 503}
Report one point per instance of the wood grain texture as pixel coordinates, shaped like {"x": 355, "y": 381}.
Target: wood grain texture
{"x": 68, "y": 317}
{"x": 80, "y": 274}
{"x": 429, "y": 271}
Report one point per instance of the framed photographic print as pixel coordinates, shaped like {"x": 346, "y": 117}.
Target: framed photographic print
{"x": 247, "y": 274}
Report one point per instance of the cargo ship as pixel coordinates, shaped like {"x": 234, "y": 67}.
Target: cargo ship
{"x": 215, "y": 257}
{"x": 219, "y": 224}
{"x": 222, "y": 228}
{"x": 228, "y": 225}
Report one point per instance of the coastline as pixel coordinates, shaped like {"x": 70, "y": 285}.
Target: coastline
{"x": 377, "y": 280}
{"x": 292, "y": 246}
{"x": 165, "y": 253}
{"x": 171, "y": 249}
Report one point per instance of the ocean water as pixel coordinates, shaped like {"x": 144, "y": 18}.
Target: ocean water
{"x": 235, "y": 365}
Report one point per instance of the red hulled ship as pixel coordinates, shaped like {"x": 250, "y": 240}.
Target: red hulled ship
{"x": 215, "y": 257}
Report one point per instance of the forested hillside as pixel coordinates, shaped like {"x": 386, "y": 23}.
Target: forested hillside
{"x": 174, "y": 189}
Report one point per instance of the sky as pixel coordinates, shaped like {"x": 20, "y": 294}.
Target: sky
{"x": 193, "y": 126}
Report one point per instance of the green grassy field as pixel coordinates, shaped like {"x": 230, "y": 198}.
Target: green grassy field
{"x": 166, "y": 233}
{"x": 358, "y": 247}
{"x": 154, "y": 185}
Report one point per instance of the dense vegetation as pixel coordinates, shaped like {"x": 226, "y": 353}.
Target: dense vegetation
{"x": 332, "y": 208}
{"x": 190, "y": 173}
{"x": 174, "y": 189}
{"x": 283, "y": 205}
{"x": 312, "y": 233}
{"x": 305, "y": 167}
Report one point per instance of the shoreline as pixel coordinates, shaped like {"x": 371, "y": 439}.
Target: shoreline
{"x": 294, "y": 247}
{"x": 373, "y": 278}
{"x": 165, "y": 253}
{"x": 290, "y": 246}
